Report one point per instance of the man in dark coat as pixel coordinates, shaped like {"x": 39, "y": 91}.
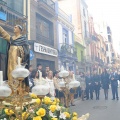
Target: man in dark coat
{"x": 114, "y": 84}
{"x": 89, "y": 86}
{"x": 97, "y": 84}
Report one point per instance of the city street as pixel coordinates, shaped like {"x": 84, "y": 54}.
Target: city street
{"x": 99, "y": 109}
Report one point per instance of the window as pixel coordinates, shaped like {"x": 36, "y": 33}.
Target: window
{"x": 106, "y": 47}
{"x": 109, "y": 38}
{"x": 81, "y": 55}
{"x": 108, "y": 60}
{"x": 84, "y": 12}
{"x": 65, "y": 36}
{"x": 16, "y": 5}
{"x": 85, "y": 29}
{"x": 44, "y": 30}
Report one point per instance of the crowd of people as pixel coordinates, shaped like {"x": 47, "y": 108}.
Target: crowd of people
{"x": 90, "y": 83}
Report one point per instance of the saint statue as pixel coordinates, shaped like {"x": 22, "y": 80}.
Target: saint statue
{"x": 17, "y": 47}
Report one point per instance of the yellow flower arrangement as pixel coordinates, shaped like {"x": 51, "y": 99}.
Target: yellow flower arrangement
{"x": 74, "y": 118}
{"x": 33, "y": 96}
{"x": 47, "y": 100}
{"x": 54, "y": 103}
{"x": 67, "y": 114}
{"x": 25, "y": 115}
{"x": 75, "y": 114}
{"x": 57, "y": 100}
{"x": 54, "y": 118}
{"x": 53, "y": 108}
{"x": 38, "y": 101}
{"x": 8, "y": 112}
{"x": 45, "y": 109}
{"x": 37, "y": 118}
{"x": 41, "y": 112}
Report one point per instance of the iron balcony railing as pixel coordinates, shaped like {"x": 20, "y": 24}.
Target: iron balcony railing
{"x": 89, "y": 37}
{"x": 67, "y": 50}
{"x": 49, "y": 3}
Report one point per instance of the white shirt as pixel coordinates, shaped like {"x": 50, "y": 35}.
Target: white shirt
{"x": 52, "y": 87}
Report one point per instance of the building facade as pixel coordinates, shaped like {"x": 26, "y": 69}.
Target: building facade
{"x": 67, "y": 52}
{"x": 78, "y": 10}
{"x": 42, "y": 30}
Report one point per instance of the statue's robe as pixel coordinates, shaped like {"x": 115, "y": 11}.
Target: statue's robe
{"x": 18, "y": 47}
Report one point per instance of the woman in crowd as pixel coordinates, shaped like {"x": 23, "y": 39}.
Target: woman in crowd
{"x": 82, "y": 85}
{"x": 58, "y": 92}
{"x": 105, "y": 82}
{"x": 51, "y": 83}
{"x": 72, "y": 91}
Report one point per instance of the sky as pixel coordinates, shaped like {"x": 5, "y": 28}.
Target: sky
{"x": 109, "y": 10}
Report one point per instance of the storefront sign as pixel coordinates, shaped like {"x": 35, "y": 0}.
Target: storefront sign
{"x": 45, "y": 50}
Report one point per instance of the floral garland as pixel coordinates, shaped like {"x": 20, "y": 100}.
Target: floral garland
{"x": 46, "y": 109}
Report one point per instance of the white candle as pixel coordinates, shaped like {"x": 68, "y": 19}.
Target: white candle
{"x": 73, "y": 76}
{"x": 18, "y": 61}
{"x": 40, "y": 75}
{"x": 1, "y": 77}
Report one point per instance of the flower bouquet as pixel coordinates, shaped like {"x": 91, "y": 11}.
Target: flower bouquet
{"x": 40, "y": 109}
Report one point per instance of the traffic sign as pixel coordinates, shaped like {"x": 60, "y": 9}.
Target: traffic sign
{"x": 31, "y": 55}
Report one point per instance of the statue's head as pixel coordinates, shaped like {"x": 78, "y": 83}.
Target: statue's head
{"x": 17, "y": 29}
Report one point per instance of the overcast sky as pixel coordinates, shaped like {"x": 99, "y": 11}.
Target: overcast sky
{"x": 110, "y": 10}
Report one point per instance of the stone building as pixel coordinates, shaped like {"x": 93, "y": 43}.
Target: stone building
{"x": 42, "y": 31}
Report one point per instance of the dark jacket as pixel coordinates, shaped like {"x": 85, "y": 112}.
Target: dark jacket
{"x": 105, "y": 80}
{"x": 89, "y": 81}
{"x": 96, "y": 81}
{"x": 115, "y": 77}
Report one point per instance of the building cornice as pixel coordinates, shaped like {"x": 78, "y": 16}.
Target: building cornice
{"x": 65, "y": 22}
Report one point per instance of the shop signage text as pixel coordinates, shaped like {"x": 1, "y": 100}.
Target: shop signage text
{"x": 45, "y": 50}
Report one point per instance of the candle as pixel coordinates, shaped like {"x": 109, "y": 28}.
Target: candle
{"x": 40, "y": 75}
{"x": 19, "y": 61}
{"x": 1, "y": 77}
{"x": 73, "y": 76}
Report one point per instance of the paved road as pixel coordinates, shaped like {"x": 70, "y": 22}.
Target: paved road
{"x": 99, "y": 109}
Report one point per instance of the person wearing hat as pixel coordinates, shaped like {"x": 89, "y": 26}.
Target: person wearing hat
{"x": 17, "y": 47}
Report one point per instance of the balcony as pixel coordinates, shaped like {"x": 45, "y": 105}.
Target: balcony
{"x": 89, "y": 37}
{"x": 47, "y": 6}
{"x": 102, "y": 50}
{"x": 10, "y": 17}
{"x": 68, "y": 51}
{"x": 88, "y": 59}
{"x": 99, "y": 61}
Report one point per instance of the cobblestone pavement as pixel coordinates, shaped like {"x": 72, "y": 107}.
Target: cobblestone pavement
{"x": 99, "y": 109}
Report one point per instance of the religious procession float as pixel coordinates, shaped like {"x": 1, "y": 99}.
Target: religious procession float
{"x": 17, "y": 104}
